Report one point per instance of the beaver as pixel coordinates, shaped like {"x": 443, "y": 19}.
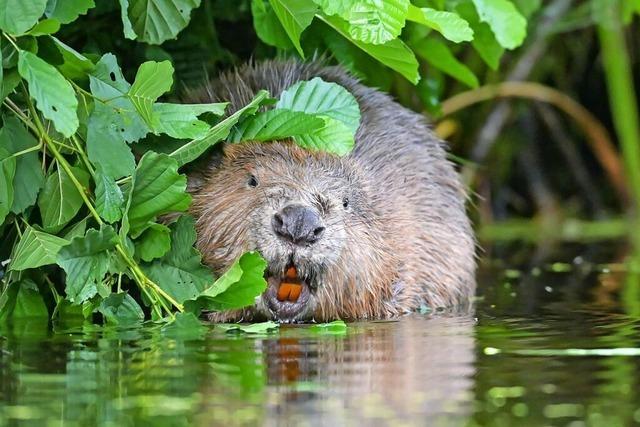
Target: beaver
{"x": 374, "y": 234}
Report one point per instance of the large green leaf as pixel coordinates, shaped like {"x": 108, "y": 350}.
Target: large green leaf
{"x": 53, "y": 93}
{"x": 67, "y": 11}
{"x": 267, "y": 25}
{"x": 295, "y": 16}
{"x": 336, "y": 7}
{"x": 484, "y": 41}
{"x": 181, "y": 120}
{"x": 157, "y": 189}
{"x": 275, "y": 124}
{"x": 28, "y": 179}
{"x": 154, "y": 242}
{"x": 121, "y": 309}
{"x": 238, "y": 287}
{"x": 153, "y": 79}
{"x": 394, "y": 54}
{"x": 22, "y": 300}
{"x": 155, "y": 21}
{"x": 193, "y": 149}
{"x": 7, "y": 173}
{"x": 44, "y": 27}
{"x": 376, "y": 22}
{"x": 179, "y": 272}
{"x": 508, "y": 25}
{"x": 439, "y": 56}
{"x": 109, "y": 198}
{"x": 86, "y": 261}
{"x": 35, "y": 249}
{"x": 60, "y": 201}
{"x": 114, "y": 121}
{"x": 17, "y": 16}
{"x": 449, "y": 24}
{"x": 74, "y": 65}
{"x": 323, "y": 98}
{"x": 334, "y": 137}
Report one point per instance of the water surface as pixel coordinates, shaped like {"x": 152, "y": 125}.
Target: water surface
{"x": 548, "y": 345}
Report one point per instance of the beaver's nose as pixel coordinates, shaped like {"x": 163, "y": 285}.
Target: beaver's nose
{"x": 298, "y": 224}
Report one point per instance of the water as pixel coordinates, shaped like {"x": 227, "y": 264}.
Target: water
{"x": 547, "y": 346}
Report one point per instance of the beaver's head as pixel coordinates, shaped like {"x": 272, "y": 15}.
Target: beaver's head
{"x": 310, "y": 215}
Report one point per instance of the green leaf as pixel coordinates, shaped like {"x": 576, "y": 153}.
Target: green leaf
{"x": 180, "y": 272}
{"x": 77, "y": 229}
{"x": 10, "y": 81}
{"x": 337, "y": 327}
{"x": 193, "y": 149}
{"x": 275, "y": 124}
{"x": 336, "y": 7}
{"x": 22, "y": 300}
{"x": 334, "y": 137}
{"x": 154, "y": 242}
{"x": 86, "y": 261}
{"x": 7, "y": 173}
{"x": 238, "y": 287}
{"x": 17, "y": 16}
{"x": 126, "y": 22}
{"x": 181, "y": 120}
{"x": 438, "y": 55}
{"x": 295, "y": 16}
{"x": 45, "y": 27}
{"x": 508, "y": 25}
{"x": 376, "y": 22}
{"x": 53, "y": 93}
{"x": 155, "y": 21}
{"x": 28, "y": 179}
{"x": 326, "y": 99}
{"x": 267, "y": 26}
{"x": 67, "y": 11}
{"x": 484, "y": 41}
{"x": 109, "y": 198}
{"x": 253, "y": 328}
{"x": 60, "y": 201}
{"x": 158, "y": 189}
{"x": 185, "y": 326}
{"x": 449, "y": 24}
{"x": 529, "y": 7}
{"x": 153, "y": 79}
{"x": 121, "y": 309}
{"x": 394, "y": 54}
{"x": 35, "y": 249}
{"x": 74, "y": 65}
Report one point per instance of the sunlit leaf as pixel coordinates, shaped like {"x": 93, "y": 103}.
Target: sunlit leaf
{"x": 334, "y": 137}
{"x": 181, "y": 120}
{"x": 17, "y": 16}
{"x": 153, "y": 79}
{"x": 484, "y": 41}
{"x": 275, "y": 124}
{"x": 323, "y": 98}
{"x": 252, "y": 328}
{"x": 86, "y": 261}
{"x": 394, "y": 54}
{"x": 449, "y": 24}
{"x": 295, "y": 16}
{"x": 376, "y": 22}
{"x": 53, "y": 93}
{"x": 35, "y": 249}
{"x": 508, "y": 25}
{"x": 192, "y": 150}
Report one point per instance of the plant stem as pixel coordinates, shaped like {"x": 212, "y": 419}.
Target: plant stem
{"x": 624, "y": 106}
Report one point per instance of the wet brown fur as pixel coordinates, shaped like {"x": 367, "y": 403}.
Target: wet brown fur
{"x": 405, "y": 243}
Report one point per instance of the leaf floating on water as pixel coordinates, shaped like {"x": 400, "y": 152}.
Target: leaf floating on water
{"x": 254, "y": 328}
{"x": 337, "y": 327}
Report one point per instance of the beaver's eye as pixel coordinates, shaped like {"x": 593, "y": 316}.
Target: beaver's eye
{"x": 253, "y": 181}
{"x": 345, "y": 202}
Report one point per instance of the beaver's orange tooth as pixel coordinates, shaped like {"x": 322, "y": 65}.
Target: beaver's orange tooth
{"x": 283, "y": 291}
{"x": 295, "y": 292}
{"x": 291, "y": 273}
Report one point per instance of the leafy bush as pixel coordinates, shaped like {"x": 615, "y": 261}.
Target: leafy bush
{"x": 79, "y": 212}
